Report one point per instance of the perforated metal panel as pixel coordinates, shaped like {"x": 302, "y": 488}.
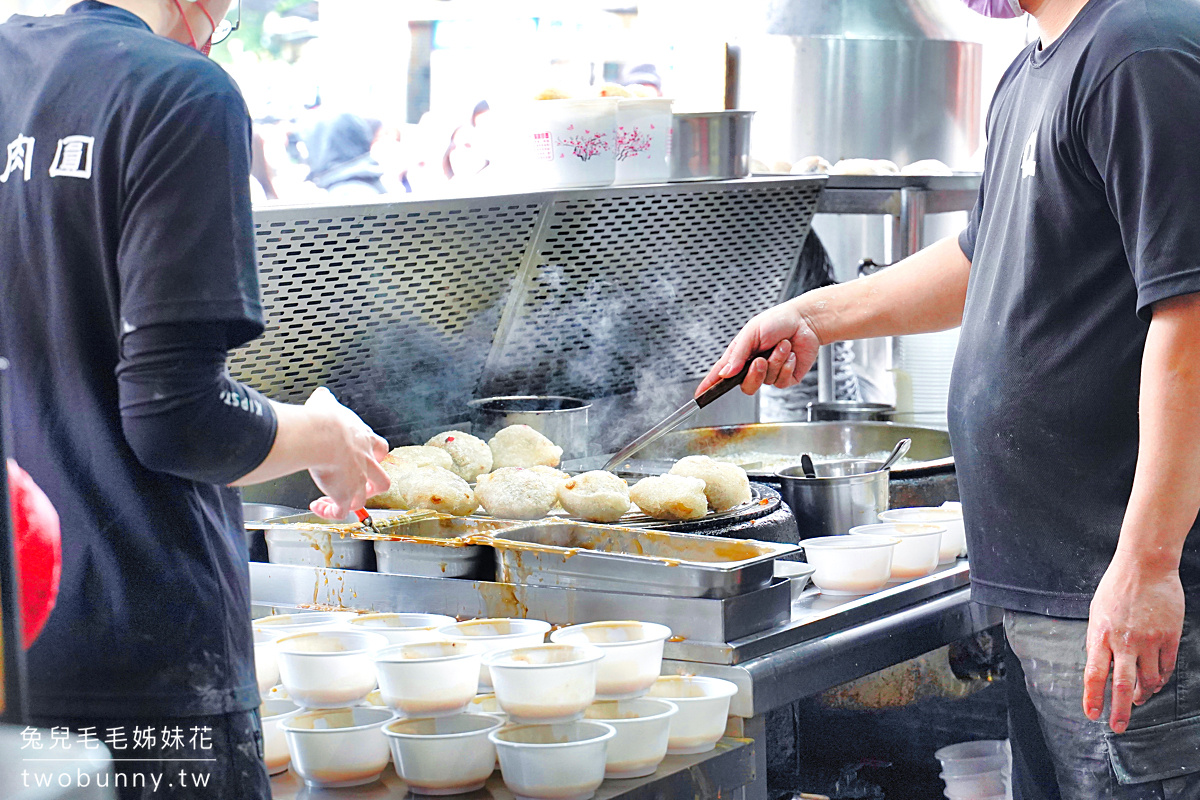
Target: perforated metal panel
{"x": 407, "y": 310}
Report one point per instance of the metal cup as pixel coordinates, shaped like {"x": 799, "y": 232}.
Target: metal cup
{"x": 844, "y": 494}
{"x": 562, "y": 420}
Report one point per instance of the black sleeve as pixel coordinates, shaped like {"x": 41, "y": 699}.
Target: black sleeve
{"x": 181, "y": 412}
{"x": 186, "y": 252}
{"x": 1140, "y": 128}
{"x": 970, "y": 234}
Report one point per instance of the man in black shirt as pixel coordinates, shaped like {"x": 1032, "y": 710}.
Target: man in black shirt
{"x": 1074, "y": 400}
{"x": 126, "y": 274}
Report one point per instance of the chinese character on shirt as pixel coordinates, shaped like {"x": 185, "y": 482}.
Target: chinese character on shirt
{"x": 20, "y": 157}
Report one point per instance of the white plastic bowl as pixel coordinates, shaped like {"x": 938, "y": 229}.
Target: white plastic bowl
{"x": 973, "y": 758}
{"x": 571, "y": 142}
{"x": 338, "y": 747}
{"x": 848, "y": 565}
{"x": 553, "y": 762}
{"x": 642, "y": 140}
{"x": 954, "y": 540}
{"x": 282, "y": 624}
{"x": 428, "y": 679}
{"x": 497, "y": 634}
{"x": 643, "y": 727}
{"x": 266, "y": 663}
{"x": 444, "y": 756}
{"x": 545, "y": 683}
{"x": 968, "y": 787}
{"x": 275, "y": 748}
{"x": 328, "y": 669}
{"x": 402, "y": 628}
{"x": 632, "y": 654}
{"x": 703, "y": 710}
{"x": 916, "y": 554}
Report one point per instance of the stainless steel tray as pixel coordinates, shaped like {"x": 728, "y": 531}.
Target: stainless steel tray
{"x": 608, "y": 558}
{"x": 441, "y": 547}
{"x": 312, "y": 541}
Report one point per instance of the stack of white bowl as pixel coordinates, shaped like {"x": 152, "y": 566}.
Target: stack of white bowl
{"x": 558, "y": 718}
{"x": 979, "y": 770}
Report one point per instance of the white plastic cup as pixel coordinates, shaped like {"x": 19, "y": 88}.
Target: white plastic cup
{"x": 273, "y": 714}
{"x": 333, "y": 748}
{"x": 949, "y": 516}
{"x": 428, "y": 679}
{"x": 850, "y": 565}
{"x": 497, "y": 634}
{"x": 553, "y": 762}
{"x": 968, "y": 787}
{"x": 266, "y": 662}
{"x": 642, "y": 140}
{"x": 545, "y": 683}
{"x": 632, "y": 654}
{"x": 402, "y": 628}
{"x": 916, "y": 553}
{"x": 643, "y": 727}
{"x": 450, "y": 755}
{"x": 282, "y": 624}
{"x": 703, "y": 711}
{"x": 328, "y": 669}
{"x": 973, "y": 758}
{"x": 571, "y": 142}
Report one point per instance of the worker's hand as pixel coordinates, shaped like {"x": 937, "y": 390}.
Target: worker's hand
{"x": 1134, "y": 625}
{"x": 795, "y": 349}
{"x": 351, "y": 472}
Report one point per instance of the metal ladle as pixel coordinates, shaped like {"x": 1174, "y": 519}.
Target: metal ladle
{"x": 898, "y": 452}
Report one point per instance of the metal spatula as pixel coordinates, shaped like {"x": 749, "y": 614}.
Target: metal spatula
{"x": 676, "y": 419}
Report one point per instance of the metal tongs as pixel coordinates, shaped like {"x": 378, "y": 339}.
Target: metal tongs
{"x": 672, "y": 422}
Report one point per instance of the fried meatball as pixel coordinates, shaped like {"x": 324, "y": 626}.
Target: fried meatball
{"x": 811, "y": 165}
{"x": 433, "y": 488}
{"x": 598, "y": 496}
{"x": 522, "y": 446}
{"x": 515, "y": 493}
{"x": 471, "y": 455}
{"x": 670, "y": 497}
{"x": 725, "y": 485}
{"x": 420, "y": 456}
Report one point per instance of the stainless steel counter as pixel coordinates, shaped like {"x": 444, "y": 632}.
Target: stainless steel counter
{"x": 724, "y": 772}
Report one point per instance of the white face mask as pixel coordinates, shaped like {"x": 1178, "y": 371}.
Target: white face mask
{"x": 997, "y": 9}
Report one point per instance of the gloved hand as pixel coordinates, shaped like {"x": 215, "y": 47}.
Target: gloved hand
{"x": 38, "y": 543}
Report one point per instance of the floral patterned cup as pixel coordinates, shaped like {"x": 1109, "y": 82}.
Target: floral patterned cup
{"x": 643, "y": 140}
{"x": 572, "y": 142}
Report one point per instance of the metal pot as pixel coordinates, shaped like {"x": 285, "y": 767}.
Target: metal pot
{"x": 562, "y": 420}
{"x": 844, "y": 494}
{"x": 839, "y": 410}
{"x": 711, "y": 145}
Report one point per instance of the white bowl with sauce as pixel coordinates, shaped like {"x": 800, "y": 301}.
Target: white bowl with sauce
{"x": 545, "y": 683}
{"x": 553, "y": 762}
{"x": 402, "y": 628}
{"x": 632, "y": 654}
{"x": 449, "y": 755}
{"x": 497, "y": 634}
{"x": 303, "y": 622}
{"x": 850, "y": 565}
{"x": 916, "y": 553}
{"x": 333, "y": 748}
{"x": 275, "y": 748}
{"x": 643, "y": 727}
{"x": 428, "y": 679}
{"x": 328, "y": 669}
{"x": 703, "y": 711}
{"x": 949, "y": 516}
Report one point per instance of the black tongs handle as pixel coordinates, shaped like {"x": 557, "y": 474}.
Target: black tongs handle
{"x": 719, "y": 390}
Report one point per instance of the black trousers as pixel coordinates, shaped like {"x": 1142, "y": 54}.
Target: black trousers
{"x": 193, "y": 758}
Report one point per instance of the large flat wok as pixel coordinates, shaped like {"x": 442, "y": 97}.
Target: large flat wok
{"x": 930, "y": 453}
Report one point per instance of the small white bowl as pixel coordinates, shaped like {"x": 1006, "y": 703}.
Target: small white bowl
{"x": 450, "y": 755}
{"x": 703, "y": 711}
{"x": 643, "y": 728}
{"x": 497, "y": 634}
{"x": 797, "y": 573}
{"x": 553, "y": 762}
{"x": 337, "y": 747}
{"x": 266, "y": 663}
{"x": 916, "y": 554}
{"x": 328, "y": 669}
{"x": 848, "y": 565}
{"x": 428, "y": 679}
{"x": 402, "y": 628}
{"x": 545, "y": 683}
{"x": 632, "y": 654}
{"x": 275, "y": 748}
{"x": 304, "y": 622}
{"x": 949, "y": 516}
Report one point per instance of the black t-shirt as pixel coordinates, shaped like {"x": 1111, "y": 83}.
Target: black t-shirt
{"x": 1088, "y": 215}
{"x": 124, "y": 202}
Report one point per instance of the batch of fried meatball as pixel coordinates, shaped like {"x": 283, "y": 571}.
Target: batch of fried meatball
{"x": 515, "y": 475}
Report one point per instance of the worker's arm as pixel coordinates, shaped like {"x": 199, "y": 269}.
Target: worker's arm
{"x": 1136, "y": 616}
{"x": 921, "y": 294}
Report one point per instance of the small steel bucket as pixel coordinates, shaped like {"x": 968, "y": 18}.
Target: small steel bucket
{"x": 844, "y": 494}
{"x": 562, "y": 420}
